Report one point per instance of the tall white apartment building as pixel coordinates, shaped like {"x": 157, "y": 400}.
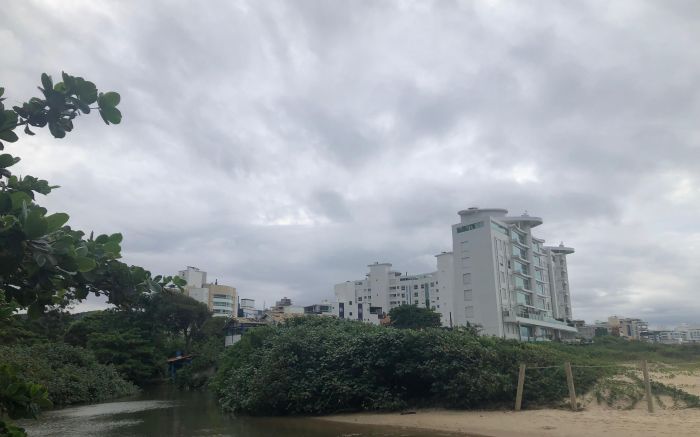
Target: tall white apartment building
{"x": 220, "y": 299}
{"x": 498, "y": 276}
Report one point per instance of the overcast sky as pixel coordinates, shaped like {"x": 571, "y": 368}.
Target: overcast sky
{"x": 284, "y": 145}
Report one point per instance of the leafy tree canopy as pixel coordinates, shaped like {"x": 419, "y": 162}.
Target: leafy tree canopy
{"x": 44, "y": 262}
{"x": 413, "y": 317}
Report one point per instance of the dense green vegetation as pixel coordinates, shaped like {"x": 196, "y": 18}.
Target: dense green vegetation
{"x": 320, "y": 366}
{"x": 71, "y": 374}
{"x": 125, "y": 340}
{"x": 44, "y": 263}
{"x": 413, "y": 317}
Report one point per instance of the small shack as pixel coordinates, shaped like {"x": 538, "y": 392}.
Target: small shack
{"x": 175, "y": 363}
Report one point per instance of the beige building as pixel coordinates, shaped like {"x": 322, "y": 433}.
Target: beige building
{"x": 220, "y": 299}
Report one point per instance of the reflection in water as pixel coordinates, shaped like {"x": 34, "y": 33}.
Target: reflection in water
{"x": 168, "y": 412}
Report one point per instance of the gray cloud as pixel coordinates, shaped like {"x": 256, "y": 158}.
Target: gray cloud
{"x": 283, "y": 147}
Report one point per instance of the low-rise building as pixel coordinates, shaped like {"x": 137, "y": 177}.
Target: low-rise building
{"x": 220, "y": 299}
{"x": 324, "y": 308}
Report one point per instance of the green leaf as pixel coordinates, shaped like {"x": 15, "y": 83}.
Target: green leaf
{"x": 85, "y": 264}
{"x": 46, "y": 81}
{"x": 35, "y": 225}
{"x": 81, "y": 251}
{"x": 112, "y": 247}
{"x": 109, "y": 99}
{"x": 2, "y": 91}
{"x": 116, "y": 237}
{"x": 40, "y": 259}
{"x": 5, "y": 202}
{"x": 18, "y": 198}
{"x": 111, "y": 115}
{"x": 86, "y": 90}
{"x": 11, "y": 137}
{"x": 10, "y": 119}
{"x": 55, "y": 221}
{"x": 69, "y": 81}
{"x": 56, "y": 130}
{"x": 7, "y": 160}
{"x": 81, "y": 105}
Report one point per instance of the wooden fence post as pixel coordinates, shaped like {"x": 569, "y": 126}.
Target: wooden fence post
{"x": 521, "y": 384}
{"x": 570, "y": 382}
{"x": 647, "y": 386}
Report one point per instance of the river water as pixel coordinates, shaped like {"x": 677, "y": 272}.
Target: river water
{"x": 168, "y": 412}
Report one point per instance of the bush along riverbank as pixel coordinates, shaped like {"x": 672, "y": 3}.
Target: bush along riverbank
{"x": 322, "y": 366}
{"x": 70, "y": 374}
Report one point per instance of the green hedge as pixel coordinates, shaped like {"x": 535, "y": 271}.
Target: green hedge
{"x": 321, "y": 366}
{"x": 71, "y": 374}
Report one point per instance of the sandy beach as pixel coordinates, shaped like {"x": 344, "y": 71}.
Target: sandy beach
{"x": 594, "y": 420}
{"x": 539, "y": 423}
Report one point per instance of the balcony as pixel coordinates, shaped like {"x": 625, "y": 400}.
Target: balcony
{"x": 547, "y": 322}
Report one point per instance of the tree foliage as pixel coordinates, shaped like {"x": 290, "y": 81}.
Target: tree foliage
{"x": 179, "y": 314}
{"x": 321, "y": 366}
{"x": 127, "y": 340}
{"x": 71, "y": 374}
{"x": 413, "y": 317}
{"x": 44, "y": 262}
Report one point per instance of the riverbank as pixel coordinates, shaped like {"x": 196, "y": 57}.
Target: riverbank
{"x": 593, "y": 421}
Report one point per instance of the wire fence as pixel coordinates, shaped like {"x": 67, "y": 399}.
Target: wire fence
{"x": 642, "y": 366}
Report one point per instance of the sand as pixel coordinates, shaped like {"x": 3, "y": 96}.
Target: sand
{"x": 542, "y": 423}
{"x": 593, "y": 420}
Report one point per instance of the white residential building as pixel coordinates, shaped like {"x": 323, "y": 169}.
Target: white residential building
{"x": 498, "y": 277}
{"x": 220, "y": 299}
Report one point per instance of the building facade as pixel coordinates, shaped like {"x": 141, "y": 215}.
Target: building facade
{"x": 498, "y": 276}
{"x": 220, "y": 299}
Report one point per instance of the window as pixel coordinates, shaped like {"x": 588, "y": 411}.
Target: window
{"x": 468, "y": 295}
{"x": 222, "y": 296}
{"x": 519, "y": 282}
{"x": 350, "y": 303}
{"x": 519, "y": 252}
{"x": 470, "y": 227}
{"x": 518, "y": 238}
{"x": 467, "y": 278}
{"x": 498, "y": 228}
{"x": 520, "y": 267}
{"x": 415, "y": 287}
{"x": 540, "y": 288}
{"x": 524, "y": 299}
{"x": 469, "y": 311}
{"x": 350, "y": 313}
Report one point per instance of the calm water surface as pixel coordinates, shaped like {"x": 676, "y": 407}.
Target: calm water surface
{"x": 168, "y": 412}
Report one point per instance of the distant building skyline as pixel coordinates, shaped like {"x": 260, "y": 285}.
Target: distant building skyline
{"x": 498, "y": 276}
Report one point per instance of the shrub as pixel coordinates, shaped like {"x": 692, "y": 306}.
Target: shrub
{"x": 124, "y": 340}
{"x": 71, "y": 374}
{"x": 320, "y": 366}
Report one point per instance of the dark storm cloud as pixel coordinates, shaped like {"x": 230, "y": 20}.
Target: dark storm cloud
{"x": 283, "y": 146}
